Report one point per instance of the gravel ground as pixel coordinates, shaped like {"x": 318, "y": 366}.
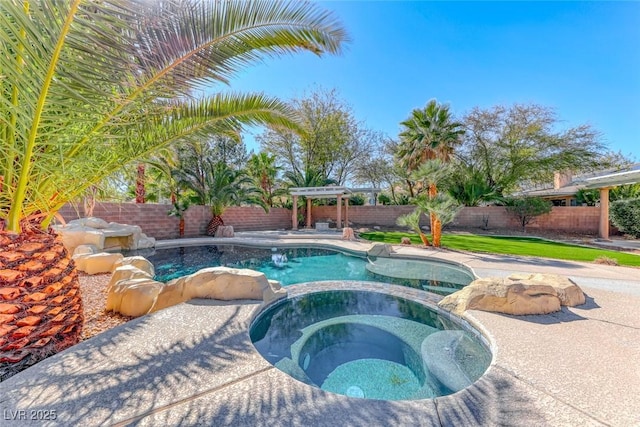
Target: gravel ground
{"x": 94, "y": 298}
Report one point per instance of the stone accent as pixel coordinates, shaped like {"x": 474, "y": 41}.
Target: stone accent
{"x": 139, "y": 262}
{"x": 518, "y": 294}
{"x": 381, "y": 250}
{"x": 405, "y": 241}
{"x": 348, "y": 234}
{"x": 103, "y": 235}
{"x": 103, "y": 262}
{"x": 133, "y": 292}
{"x": 224, "y": 231}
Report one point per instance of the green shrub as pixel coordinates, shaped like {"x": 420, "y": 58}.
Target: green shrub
{"x": 625, "y": 215}
{"x": 526, "y": 209}
{"x": 356, "y": 200}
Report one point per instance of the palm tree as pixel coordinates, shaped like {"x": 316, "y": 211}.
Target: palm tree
{"x": 263, "y": 169}
{"x": 218, "y": 186}
{"x": 429, "y": 133}
{"x": 89, "y": 86}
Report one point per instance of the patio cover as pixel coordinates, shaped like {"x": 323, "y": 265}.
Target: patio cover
{"x": 604, "y": 183}
{"x": 327, "y": 192}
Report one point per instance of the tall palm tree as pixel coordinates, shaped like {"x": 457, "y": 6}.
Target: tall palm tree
{"x": 89, "y": 86}
{"x": 429, "y": 133}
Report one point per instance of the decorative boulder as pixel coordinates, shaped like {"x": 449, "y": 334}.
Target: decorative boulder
{"x": 139, "y": 262}
{"x": 381, "y": 250}
{"x": 103, "y": 235}
{"x": 225, "y": 283}
{"x": 517, "y": 294}
{"x": 84, "y": 250}
{"x": 224, "y": 231}
{"x": 133, "y": 297}
{"x": 405, "y": 241}
{"x": 125, "y": 272}
{"x": 103, "y": 262}
{"x": 132, "y": 291}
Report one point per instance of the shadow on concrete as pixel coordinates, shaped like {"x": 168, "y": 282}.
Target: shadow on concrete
{"x": 131, "y": 369}
{"x": 195, "y": 365}
{"x": 563, "y": 316}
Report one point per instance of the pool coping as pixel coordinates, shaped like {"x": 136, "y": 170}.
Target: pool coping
{"x": 193, "y": 364}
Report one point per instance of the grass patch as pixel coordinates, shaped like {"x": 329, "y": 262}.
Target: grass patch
{"x": 509, "y": 245}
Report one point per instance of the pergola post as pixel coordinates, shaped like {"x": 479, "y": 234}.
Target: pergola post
{"x": 308, "y": 212}
{"x": 604, "y": 213}
{"x": 339, "y": 215}
{"x": 346, "y": 212}
{"x": 294, "y": 214}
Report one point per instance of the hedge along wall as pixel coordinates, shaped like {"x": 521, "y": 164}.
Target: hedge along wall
{"x": 155, "y": 222}
{"x": 579, "y": 219}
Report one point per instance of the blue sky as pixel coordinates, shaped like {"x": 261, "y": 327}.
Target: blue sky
{"x": 580, "y": 58}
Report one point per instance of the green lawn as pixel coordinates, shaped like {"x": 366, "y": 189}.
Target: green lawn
{"x": 523, "y": 246}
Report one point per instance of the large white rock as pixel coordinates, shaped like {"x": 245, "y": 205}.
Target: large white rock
{"x": 98, "y": 263}
{"x": 139, "y": 262}
{"x": 133, "y": 297}
{"x": 224, "y": 231}
{"x": 124, "y": 272}
{"x": 226, "y": 283}
{"x": 103, "y": 235}
{"x": 132, "y": 292}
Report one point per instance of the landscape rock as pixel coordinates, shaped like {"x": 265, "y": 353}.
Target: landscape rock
{"x": 103, "y": 262}
{"x": 102, "y": 235}
{"x": 133, "y": 292}
{"x": 518, "y": 294}
{"x": 129, "y": 271}
{"x": 380, "y": 250}
{"x": 139, "y": 262}
{"x": 405, "y": 241}
{"x": 84, "y": 250}
{"x": 133, "y": 297}
{"x": 224, "y": 231}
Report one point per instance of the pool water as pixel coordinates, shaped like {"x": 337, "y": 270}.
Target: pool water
{"x": 294, "y": 265}
{"x": 369, "y": 345}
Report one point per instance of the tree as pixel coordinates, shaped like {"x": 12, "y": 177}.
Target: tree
{"x": 332, "y": 140}
{"x": 526, "y": 209}
{"x": 263, "y": 170}
{"x": 443, "y": 207}
{"x": 428, "y": 134}
{"x": 89, "y": 86}
{"x": 412, "y": 220}
{"x": 513, "y": 146}
{"x": 213, "y": 182}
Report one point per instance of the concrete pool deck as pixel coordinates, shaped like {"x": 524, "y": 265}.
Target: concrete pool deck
{"x": 194, "y": 364}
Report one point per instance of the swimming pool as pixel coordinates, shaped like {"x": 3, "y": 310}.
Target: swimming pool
{"x": 369, "y": 345}
{"x": 292, "y": 265}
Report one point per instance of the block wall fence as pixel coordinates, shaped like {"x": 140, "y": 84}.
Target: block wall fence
{"x": 155, "y": 221}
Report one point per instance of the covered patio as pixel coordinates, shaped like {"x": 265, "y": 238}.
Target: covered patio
{"x": 604, "y": 183}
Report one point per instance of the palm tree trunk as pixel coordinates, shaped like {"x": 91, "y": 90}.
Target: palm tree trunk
{"x": 140, "y": 184}
{"x": 41, "y": 309}
{"x": 436, "y": 226}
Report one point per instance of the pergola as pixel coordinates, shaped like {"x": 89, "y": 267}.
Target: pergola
{"x": 604, "y": 183}
{"x": 328, "y": 192}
